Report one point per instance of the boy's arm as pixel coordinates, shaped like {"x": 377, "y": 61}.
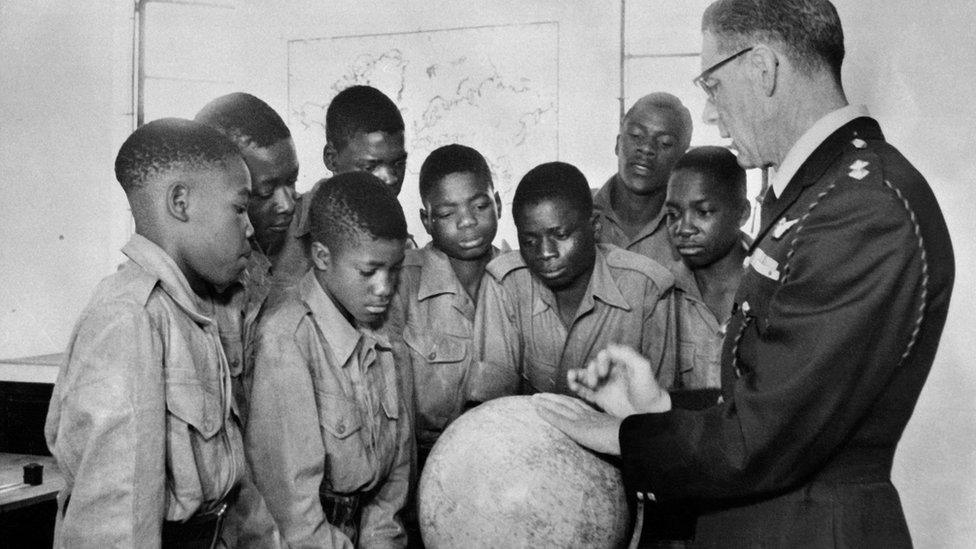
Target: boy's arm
{"x": 283, "y": 439}
{"x": 106, "y": 427}
{"x": 497, "y": 347}
{"x": 659, "y": 337}
{"x": 381, "y": 524}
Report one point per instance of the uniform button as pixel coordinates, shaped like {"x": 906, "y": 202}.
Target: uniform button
{"x": 341, "y": 428}
{"x": 745, "y": 307}
{"x": 859, "y": 143}
{"x": 432, "y": 355}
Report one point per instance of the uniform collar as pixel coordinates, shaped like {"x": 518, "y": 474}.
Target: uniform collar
{"x": 687, "y": 283}
{"x": 808, "y": 143}
{"x": 342, "y": 336}
{"x": 154, "y": 260}
{"x": 602, "y": 204}
{"x": 601, "y": 287}
{"x": 438, "y": 274}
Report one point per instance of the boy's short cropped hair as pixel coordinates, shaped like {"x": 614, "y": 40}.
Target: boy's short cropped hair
{"x": 554, "y": 181}
{"x": 450, "y": 159}
{"x": 360, "y": 109}
{"x": 718, "y": 166}
{"x": 244, "y": 118}
{"x": 167, "y": 144}
{"x": 353, "y": 204}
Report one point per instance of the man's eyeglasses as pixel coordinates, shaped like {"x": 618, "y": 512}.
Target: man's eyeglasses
{"x": 702, "y": 79}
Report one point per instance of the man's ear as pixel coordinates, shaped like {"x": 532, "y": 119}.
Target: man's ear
{"x": 498, "y": 204}
{"x": 765, "y": 63}
{"x": 616, "y": 146}
{"x": 595, "y": 221}
{"x": 321, "y": 256}
{"x": 424, "y": 219}
{"x": 745, "y": 211}
{"x": 178, "y": 200}
{"x": 329, "y": 156}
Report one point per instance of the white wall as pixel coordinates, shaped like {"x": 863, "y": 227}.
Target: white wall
{"x": 63, "y": 114}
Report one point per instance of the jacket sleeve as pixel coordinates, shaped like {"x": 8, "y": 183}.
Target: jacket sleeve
{"x": 106, "y": 428}
{"x": 283, "y": 438}
{"x": 497, "y": 367}
{"x": 659, "y": 333}
{"x": 822, "y": 349}
{"x": 381, "y": 524}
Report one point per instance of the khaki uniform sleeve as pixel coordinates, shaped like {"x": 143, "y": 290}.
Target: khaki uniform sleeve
{"x": 106, "y": 428}
{"x": 284, "y": 441}
{"x": 497, "y": 367}
{"x": 660, "y": 331}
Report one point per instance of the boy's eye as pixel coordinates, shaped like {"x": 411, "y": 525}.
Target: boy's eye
{"x": 442, "y": 214}
{"x": 482, "y": 205}
{"x": 367, "y": 274}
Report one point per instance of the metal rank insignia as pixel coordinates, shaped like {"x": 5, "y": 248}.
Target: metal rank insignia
{"x": 857, "y": 170}
{"x": 782, "y": 226}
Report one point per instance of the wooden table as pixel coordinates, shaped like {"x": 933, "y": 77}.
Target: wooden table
{"x": 12, "y": 470}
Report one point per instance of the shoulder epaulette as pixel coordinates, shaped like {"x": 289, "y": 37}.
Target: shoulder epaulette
{"x": 283, "y": 305}
{"x": 413, "y": 258}
{"x": 130, "y": 283}
{"x": 504, "y": 264}
{"x": 620, "y": 258}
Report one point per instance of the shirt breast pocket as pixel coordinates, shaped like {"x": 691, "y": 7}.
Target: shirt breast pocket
{"x": 346, "y": 459}
{"x": 192, "y": 404}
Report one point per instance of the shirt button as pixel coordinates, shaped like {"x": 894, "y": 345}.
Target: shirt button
{"x": 341, "y": 428}
{"x": 432, "y": 355}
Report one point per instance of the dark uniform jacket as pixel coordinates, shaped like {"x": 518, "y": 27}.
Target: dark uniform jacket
{"x": 838, "y": 319}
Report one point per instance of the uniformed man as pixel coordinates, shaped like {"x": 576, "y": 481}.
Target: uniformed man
{"x": 838, "y": 320}
{"x": 551, "y": 305}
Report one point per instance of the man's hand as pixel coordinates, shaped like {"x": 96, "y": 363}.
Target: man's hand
{"x": 588, "y": 427}
{"x": 621, "y": 382}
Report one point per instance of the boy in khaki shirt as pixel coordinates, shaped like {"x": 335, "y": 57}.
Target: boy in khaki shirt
{"x": 329, "y": 438}
{"x": 142, "y": 421}
{"x": 561, "y": 298}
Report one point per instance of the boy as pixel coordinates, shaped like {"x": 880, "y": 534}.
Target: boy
{"x": 561, "y": 298}
{"x": 265, "y": 143}
{"x": 329, "y": 438}
{"x": 706, "y": 205}
{"x": 364, "y": 133}
{"x": 441, "y": 284}
{"x": 654, "y": 134}
{"x": 142, "y": 420}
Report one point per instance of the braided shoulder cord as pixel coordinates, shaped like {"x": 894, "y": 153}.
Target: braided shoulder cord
{"x": 923, "y": 256}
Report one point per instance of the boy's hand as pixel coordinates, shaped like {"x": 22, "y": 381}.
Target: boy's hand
{"x": 588, "y": 427}
{"x": 621, "y": 382}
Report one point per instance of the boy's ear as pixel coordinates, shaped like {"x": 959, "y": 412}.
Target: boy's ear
{"x": 595, "y": 221}
{"x": 425, "y": 220}
{"x": 744, "y": 213}
{"x": 498, "y": 204}
{"x": 178, "y": 200}
{"x": 321, "y": 256}
{"x": 329, "y": 156}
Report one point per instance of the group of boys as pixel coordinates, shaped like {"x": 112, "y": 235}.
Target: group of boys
{"x": 271, "y": 367}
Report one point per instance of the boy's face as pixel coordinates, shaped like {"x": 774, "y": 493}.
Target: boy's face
{"x": 703, "y": 222}
{"x": 647, "y": 148}
{"x": 461, "y": 215}
{"x": 215, "y": 240}
{"x": 556, "y": 241}
{"x": 274, "y": 170}
{"x": 360, "y": 275}
{"x": 379, "y": 153}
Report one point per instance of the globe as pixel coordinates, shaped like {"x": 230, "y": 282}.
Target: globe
{"x": 501, "y": 476}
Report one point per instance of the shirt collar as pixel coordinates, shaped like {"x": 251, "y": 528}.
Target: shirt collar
{"x": 602, "y": 286}
{"x": 602, "y": 205}
{"x": 438, "y": 275}
{"x": 809, "y": 141}
{"x": 342, "y": 336}
{"x": 154, "y": 260}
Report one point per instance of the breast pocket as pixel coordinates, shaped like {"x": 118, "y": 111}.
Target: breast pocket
{"x": 192, "y": 405}
{"x": 345, "y": 456}
{"x": 439, "y": 363}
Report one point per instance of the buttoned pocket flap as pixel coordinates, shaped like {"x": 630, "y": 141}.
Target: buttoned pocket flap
{"x": 192, "y": 404}
{"x": 338, "y": 415}
{"x": 435, "y": 349}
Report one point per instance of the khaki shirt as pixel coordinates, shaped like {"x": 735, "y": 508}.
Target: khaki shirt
{"x": 652, "y": 241}
{"x": 326, "y": 413}
{"x": 522, "y": 345}
{"x": 142, "y": 421}
{"x": 438, "y": 330}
